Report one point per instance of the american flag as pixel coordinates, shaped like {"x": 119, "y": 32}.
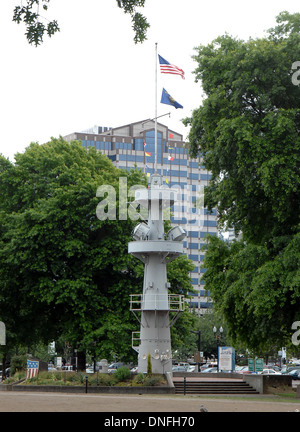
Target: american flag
{"x": 166, "y": 67}
{"x": 32, "y": 369}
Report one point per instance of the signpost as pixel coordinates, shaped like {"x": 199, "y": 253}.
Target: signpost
{"x": 58, "y": 362}
{"x": 251, "y": 366}
{"x": 259, "y": 365}
{"x": 197, "y": 357}
{"x": 255, "y": 365}
{"x": 226, "y": 358}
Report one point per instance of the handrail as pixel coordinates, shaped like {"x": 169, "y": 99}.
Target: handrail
{"x": 138, "y": 302}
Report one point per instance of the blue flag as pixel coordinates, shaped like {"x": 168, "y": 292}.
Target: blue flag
{"x": 166, "y": 98}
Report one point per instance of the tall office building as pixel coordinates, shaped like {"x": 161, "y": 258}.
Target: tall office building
{"x": 133, "y": 145}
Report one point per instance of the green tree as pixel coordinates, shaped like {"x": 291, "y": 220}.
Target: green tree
{"x": 149, "y": 365}
{"x": 183, "y": 341}
{"x": 186, "y": 343}
{"x": 209, "y": 342}
{"x": 66, "y": 274}
{"x": 63, "y": 269}
{"x": 255, "y": 290}
{"x": 31, "y": 14}
{"x": 247, "y": 131}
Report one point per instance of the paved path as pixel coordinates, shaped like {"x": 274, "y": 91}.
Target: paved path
{"x": 59, "y": 402}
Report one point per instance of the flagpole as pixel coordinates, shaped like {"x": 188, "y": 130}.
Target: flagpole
{"x": 155, "y": 165}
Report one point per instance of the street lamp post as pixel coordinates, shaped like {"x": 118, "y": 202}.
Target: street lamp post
{"x": 218, "y": 339}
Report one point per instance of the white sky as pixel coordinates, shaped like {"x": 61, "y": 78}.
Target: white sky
{"x": 92, "y": 73}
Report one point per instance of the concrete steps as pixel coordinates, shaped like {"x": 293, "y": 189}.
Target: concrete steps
{"x": 213, "y": 387}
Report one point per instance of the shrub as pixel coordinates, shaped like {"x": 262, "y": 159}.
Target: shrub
{"x": 103, "y": 379}
{"x": 94, "y": 380}
{"x": 33, "y": 380}
{"x": 56, "y": 376}
{"x": 139, "y": 378}
{"x": 18, "y": 363}
{"x": 153, "y": 380}
{"x": 122, "y": 373}
{"x": 19, "y": 375}
{"x": 78, "y": 378}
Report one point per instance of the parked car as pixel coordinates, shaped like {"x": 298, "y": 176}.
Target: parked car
{"x": 295, "y": 362}
{"x": 239, "y": 369}
{"x": 181, "y": 367}
{"x": 191, "y": 369}
{"x": 295, "y": 374}
{"x": 270, "y": 372}
{"x": 211, "y": 370}
{"x": 207, "y": 366}
{"x": 292, "y": 368}
{"x": 275, "y": 368}
{"x": 114, "y": 366}
{"x": 7, "y": 373}
{"x": 178, "y": 369}
{"x": 67, "y": 368}
{"x": 184, "y": 364}
{"x": 242, "y": 369}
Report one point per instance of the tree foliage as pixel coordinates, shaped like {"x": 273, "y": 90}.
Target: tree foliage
{"x": 33, "y": 20}
{"x": 247, "y": 130}
{"x": 64, "y": 273}
{"x": 62, "y": 269}
{"x": 37, "y": 28}
{"x": 256, "y": 290}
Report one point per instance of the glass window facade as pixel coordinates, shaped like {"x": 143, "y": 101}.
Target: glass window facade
{"x": 134, "y": 145}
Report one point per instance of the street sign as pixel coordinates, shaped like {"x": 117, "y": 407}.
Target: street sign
{"x": 256, "y": 365}
{"x": 259, "y": 365}
{"x": 197, "y": 357}
{"x": 250, "y": 365}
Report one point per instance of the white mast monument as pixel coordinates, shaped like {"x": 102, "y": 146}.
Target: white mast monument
{"x": 156, "y": 309}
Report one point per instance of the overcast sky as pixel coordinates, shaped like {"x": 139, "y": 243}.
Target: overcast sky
{"x": 92, "y": 73}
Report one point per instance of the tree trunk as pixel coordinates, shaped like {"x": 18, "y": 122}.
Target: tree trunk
{"x": 3, "y": 366}
{"x": 81, "y": 361}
